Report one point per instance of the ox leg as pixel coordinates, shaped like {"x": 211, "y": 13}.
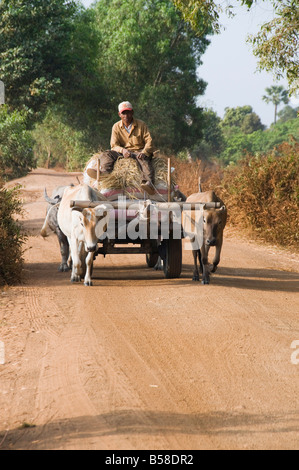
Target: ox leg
{"x": 205, "y": 266}
{"x": 158, "y": 266}
{"x": 76, "y": 268}
{"x": 89, "y": 264}
{"x": 64, "y": 251}
{"x": 196, "y": 254}
{"x": 216, "y": 259}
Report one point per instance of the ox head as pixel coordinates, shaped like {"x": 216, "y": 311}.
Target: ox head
{"x": 89, "y": 219}
{"x": 214, "y": 221}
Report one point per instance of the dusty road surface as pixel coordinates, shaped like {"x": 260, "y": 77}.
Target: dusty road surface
{"x": 141, "y": 362}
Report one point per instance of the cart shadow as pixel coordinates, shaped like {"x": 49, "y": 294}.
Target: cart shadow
{"x": 126, "y": 423}
{"x": 141, "y": 275}
{"x": 253, "y": 278}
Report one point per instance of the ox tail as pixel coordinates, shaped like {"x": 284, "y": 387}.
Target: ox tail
{"x": 46, "y": 229}
{"x": 44, "y": 232}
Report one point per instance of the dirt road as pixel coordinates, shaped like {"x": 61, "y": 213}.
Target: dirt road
{"x": 141, "y": 362}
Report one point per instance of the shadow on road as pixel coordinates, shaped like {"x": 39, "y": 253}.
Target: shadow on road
{"x": 103, "y": 276}
{"x": 61, "y": 433}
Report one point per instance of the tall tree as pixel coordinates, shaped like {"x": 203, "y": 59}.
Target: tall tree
{"x": 242, "y": 117}
{"x": 34, "y": 50}
{"x": 287, "y": 113}
{"x": 277, "y": 43}
{"x": 149, "y": 56}
{"x": 276, "y": 95}
{"x": 275, "y": 46}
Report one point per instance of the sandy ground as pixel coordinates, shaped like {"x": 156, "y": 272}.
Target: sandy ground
{"x": 141, "y": 362}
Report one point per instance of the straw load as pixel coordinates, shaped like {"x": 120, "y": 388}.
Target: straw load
{"x": 126, "y": 178}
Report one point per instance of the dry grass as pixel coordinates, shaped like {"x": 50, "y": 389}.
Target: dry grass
{"x": 262, "y": 195}
{"x": 126, "y": 174}
{"x": 187, "y": 175}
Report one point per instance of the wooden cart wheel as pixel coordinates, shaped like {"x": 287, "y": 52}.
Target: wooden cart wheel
{"x": 173, "y": 261}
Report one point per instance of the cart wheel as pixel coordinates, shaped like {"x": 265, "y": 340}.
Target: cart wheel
{"x": 173, "y": 261}
{"x": 152, "y": 259}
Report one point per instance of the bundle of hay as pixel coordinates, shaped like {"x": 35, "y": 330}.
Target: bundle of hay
{"x": 127, "y": 174}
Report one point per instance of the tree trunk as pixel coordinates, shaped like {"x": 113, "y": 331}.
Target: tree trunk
{"x": 275, "y": 113}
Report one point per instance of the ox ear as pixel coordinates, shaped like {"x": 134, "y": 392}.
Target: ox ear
{"x": 101, "y": 210}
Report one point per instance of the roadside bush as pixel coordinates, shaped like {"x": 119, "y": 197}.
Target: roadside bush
{"x": 262, "y": 195}
{"x": 237, "y": 143}
{"x": 11, "y": 236}
{"x": 58, "y": 144}
{"x": 187, "y": 173}
{"x": 16, "y": 144}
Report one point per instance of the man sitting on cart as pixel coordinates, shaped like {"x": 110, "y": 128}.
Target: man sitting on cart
{"x": 130, "y": 138}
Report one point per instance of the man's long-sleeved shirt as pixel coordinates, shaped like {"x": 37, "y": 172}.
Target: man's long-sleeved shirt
{"x": 138, "y": 140}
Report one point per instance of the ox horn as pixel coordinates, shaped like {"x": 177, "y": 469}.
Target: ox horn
{"x": 50, "y": 200}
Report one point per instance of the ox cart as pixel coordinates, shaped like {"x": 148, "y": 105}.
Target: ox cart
{"x": 150, "y": 227}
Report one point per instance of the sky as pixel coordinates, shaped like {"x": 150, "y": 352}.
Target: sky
{"x": 230, "y": 68}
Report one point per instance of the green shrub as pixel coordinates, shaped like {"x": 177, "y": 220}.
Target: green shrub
{"x": 237, "y": 144}
{"x": 58, "y": 144}
{"x": 16, "y": 144}
{"x": 11, "y": 237}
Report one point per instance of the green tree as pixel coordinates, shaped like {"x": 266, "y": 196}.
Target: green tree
{"x": 149, "y": 56}
{"x": 237, "y": 144}
{"x": 12, "y": 237}
{"x": 276, "y": 95}
{"x": 58, "y": 143}
{"x": 85, "y": 99}
{"x": 16, "y": 144}
{"x": 243, "y": 118}
{"x": 35, "y": 56}
{"x": 251, "y": 123}
{"x": 287, "y": 113}
{"x": 276, "y": 44}
{"x": 212, "y": 142}
{"x": 200, "y": 14}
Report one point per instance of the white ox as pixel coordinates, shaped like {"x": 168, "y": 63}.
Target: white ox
{"x": 79, "y": 225}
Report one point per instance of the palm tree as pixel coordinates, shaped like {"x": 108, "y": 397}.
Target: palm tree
{"x": 276, "y": 95}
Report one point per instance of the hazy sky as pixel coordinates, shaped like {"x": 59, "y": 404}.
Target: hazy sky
{"x": 229, "y": 66}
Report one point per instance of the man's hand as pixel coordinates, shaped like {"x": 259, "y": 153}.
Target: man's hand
{"x": 140, "y": 156}
{"x": 126, "y": 153}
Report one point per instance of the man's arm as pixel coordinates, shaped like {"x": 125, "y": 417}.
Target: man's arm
{"x": 148, "y": 148}
{"x": 115, "y": 143}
